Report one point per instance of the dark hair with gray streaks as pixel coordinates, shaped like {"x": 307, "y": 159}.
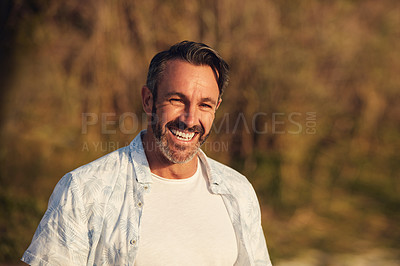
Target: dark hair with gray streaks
{"x": 193, "y": 53}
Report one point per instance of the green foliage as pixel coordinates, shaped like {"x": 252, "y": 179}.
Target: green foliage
{"x": 19, "y": 216}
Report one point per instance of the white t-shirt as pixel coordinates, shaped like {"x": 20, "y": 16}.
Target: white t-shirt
{"x": 183, "y": 223}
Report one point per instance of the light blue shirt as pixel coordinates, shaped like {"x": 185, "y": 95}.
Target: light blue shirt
{"x": 94, "y": 213}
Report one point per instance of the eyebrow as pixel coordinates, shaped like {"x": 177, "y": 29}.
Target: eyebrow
{"x": 208, "y": 99}
{"x": 181, "y": 95}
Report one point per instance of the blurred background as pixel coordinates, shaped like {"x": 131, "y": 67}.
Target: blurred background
{"x": 311, "y": 116}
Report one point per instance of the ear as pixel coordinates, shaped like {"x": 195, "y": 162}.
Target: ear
{"x": 218, "y": 104}
{"x": 147, "y": 100}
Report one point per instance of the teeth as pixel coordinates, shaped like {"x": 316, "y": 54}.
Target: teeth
{"x": 182, "y": 135}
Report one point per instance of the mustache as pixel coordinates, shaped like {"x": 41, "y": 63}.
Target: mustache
{"x": 182, "y": 126}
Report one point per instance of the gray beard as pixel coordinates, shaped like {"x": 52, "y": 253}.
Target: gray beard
{"x": 173, "y": 156}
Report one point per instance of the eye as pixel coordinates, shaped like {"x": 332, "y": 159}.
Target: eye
{"x": 175, "y": 100}
{"x": 204, "y": 105}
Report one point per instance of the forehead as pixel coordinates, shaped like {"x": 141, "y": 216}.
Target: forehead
{"x": 182, "y": 77}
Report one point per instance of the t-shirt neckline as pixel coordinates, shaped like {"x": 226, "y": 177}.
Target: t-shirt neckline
{"x": 179, "y": 180}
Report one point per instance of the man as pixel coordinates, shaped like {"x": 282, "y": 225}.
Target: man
{"x": 160, "y": 200}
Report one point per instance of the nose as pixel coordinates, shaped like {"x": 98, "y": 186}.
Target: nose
{"x": 190, "y": 116}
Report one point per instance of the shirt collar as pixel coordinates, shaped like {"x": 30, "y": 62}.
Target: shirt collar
{"x": 139, "y": 160}
{"x": 212, "y": 176}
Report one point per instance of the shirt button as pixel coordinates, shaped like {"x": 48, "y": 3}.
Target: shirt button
{"x": 132, "y": 242}
{"x": 146, "y": 187}
{"x": 139, "y": 204}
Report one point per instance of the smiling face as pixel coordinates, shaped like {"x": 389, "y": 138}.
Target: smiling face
{"x": 183, "y": 113}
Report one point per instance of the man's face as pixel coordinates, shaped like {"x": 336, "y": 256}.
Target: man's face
{"x": 187, "y": 98}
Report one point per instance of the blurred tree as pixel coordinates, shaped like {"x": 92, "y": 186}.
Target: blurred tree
{"x": 311, "y": 116}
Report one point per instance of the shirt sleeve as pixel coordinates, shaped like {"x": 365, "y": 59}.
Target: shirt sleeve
{"x": 259, "y": 246}
{"x": 62, "y": 236}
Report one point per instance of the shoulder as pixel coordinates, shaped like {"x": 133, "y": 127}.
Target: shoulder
{"x": 107, "y": 163}
{"x": 97, "y": 180}
{"x": 230, "y": 177}
{"x": 105, "y": 168}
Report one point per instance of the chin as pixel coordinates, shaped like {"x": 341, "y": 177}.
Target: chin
{"x": 180, "y": 155}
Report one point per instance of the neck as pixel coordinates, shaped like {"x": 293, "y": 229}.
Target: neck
{"x": 161, "y": 166}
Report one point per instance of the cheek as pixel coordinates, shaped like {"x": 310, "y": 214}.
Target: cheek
{"x": 167, "y": 114}
{"x": 207, "y": 120}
